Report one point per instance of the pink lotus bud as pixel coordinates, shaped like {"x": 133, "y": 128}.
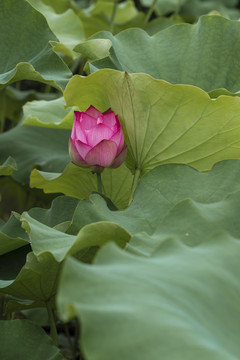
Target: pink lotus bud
{"x": 97, "y": 140}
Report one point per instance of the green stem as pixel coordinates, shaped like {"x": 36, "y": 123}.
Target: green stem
{"x": 178, "y": 7}
{"x": 53, "y": 329}
{"x": 134, "y": 184}
{"x": 2, "y": 307}
{"x": 113, "y": 15}
{"x": 2, "y": 110}
{"x": 76, "y": 338}
{"x": 99, "y": 183}
{"x": 149, "y": 13}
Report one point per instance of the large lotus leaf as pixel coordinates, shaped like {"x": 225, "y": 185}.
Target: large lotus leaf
{"x": 66, "y": 26}
{"x": 24, "y": 340}
{"x": 51, "y": 114}
{"x": 8, "y": 166}
{"x": 12, "y": 236}
{"x": 161, "y": 190}
{"x": 203, "y": 54}
{"x": 29, "y": 56}
{"x": 46, "y": 239}
{"x": 191, "y": 221}
{"x": 162, "y": 123}
{"x": 79, "y": 183}
{"x": 178, "y": 304}
{"x": 36, "y": 280}
{"x": 33, "y": 146}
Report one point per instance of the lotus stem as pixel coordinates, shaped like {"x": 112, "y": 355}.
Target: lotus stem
{"x": 99, "y": 182}
{"x": 113, "y": 15}
{"x": 149, "y": 13}
{"x": 53, "y": 329}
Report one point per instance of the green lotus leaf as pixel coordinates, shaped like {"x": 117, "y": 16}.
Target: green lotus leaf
{"x": 178, "y": 303}
{"x": 194, "y": 8}
{"x": 161, "y": 23}
{"x": 60, "y": 6}
{"x": 51, "y": 114}
{"x": 66, "y": 26}
{"x": 164, "y": 7}
{"x": 162, "y": 123}
{"x": 94, "y": 49}
{"x": 203, "y": 54}
{"x": 30, "y": 55}
{"x": 14, "y": 99}
{"x": 36, "y": 279}
{"x": 12, "y": 236}
{"x": 37, "y": 344}
{"x": 162, "y": 192}
{"x": 8, "y": 166}
{"x": 33, "y": 146}
{"x": 61, "y": 211}
{"x": 78, "y": 182}
{"x": 45, "y": 239}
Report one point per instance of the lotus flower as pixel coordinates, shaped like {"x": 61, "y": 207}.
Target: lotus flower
{"x": 97, "y": 140}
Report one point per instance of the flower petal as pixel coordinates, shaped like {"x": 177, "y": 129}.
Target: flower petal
{"x": 77, "y": 132}
{"x": 74, "y": 155}
{"x": 76, "y": 119}
{"x": 118, "y": 138}
{"x": 120, "y": 158}
{"x": 102, "y": 154}
{"x": 97, "y": 134}
{"x": 92, "y": 111}
{"x": 109, "y": 119}
{"x": 87, "y": 121}
{"x": 82, "y": 148}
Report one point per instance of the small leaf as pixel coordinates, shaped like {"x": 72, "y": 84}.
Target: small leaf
{"x": 8, "y": 167}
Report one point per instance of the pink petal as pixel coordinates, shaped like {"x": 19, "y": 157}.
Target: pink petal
{"x": 82, "y": 148}
{"x": 97, "y": 134}
{"x": 120, "y": 158}
{"x": 118, "y": 138}
{"x": 74, "y": 155}
{"x": 76, "y": 119}
{"x": 92, "y": 111}
{"x": 87, "y": 121}
{"x": 109, "y": 119}
{"x": 102, "y": 154}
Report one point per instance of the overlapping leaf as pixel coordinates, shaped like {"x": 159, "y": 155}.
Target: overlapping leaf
{"x": 31, "y": 146}
{"x": 162, "y": 123}
{"x": 79, "y": 183}
{"x": 203, "y": 54}
{"x": 37, "y": 344}
{"x": 161, "y": 195}
{"x": 12, "y": 236}
{"x": 179, "y": 303}
{"x": 66, "y": 26}
{"x": 8, "y": 166}
{"x": 98, "y": 17}
{"x": 30, "y": 55}
{"x": 51, "y": 114}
